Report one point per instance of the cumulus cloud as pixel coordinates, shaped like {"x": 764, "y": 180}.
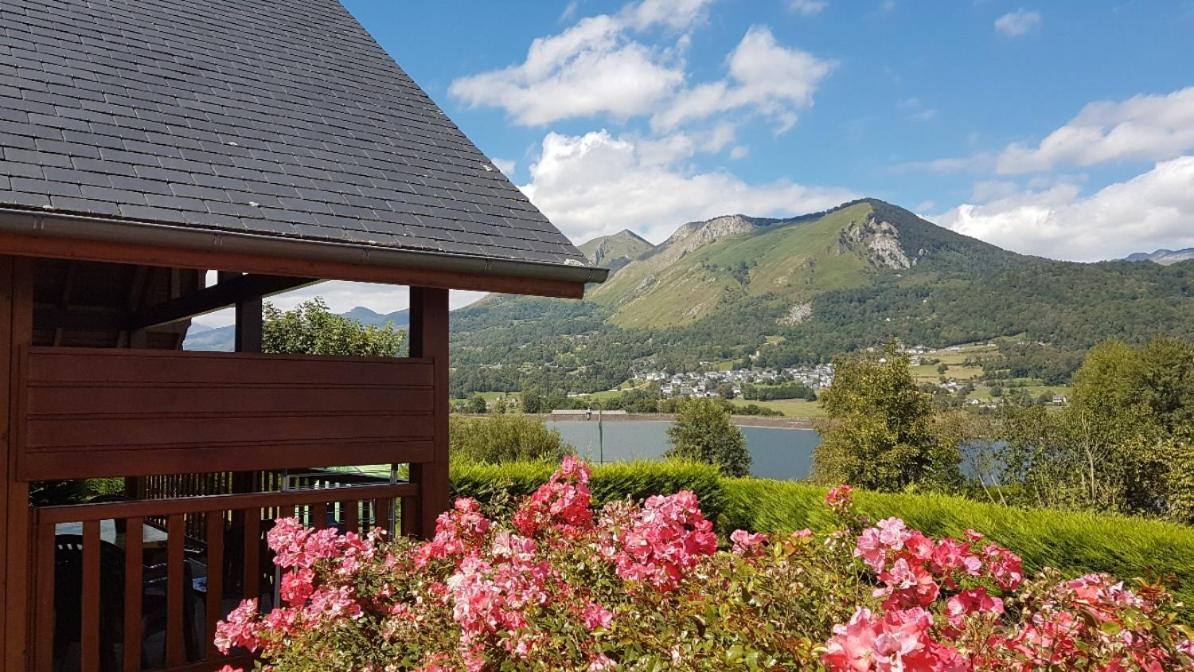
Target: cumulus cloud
{"x": 1146, "y": 127}
{"x": 1017, "y": 23}
{"x": 1152, "y": 210}
{"x": 598, "y": 183}
{"x": 764, "y": 76}
{"x": 505, "y": 165}
{"x": 807, "y": 7}
{"x": 594, "y": 67}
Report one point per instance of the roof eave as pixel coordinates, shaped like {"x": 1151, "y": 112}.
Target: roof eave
{"x": 51, "y": 224}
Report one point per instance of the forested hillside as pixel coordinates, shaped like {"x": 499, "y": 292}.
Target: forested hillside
{"x": 801, "y": 290}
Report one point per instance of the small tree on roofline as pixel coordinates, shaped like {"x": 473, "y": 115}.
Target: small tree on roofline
{"x": 312, "y": 329}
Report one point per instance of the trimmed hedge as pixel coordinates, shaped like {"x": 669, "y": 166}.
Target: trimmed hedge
{"x": 1073, "y": 542}
{"x": 499, "y": 487}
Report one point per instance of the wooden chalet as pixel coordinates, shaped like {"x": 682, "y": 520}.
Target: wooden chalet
{"x": 145, "y": 144}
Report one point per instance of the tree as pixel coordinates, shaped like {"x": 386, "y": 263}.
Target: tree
{"x": 477, "y": 405}
{"x": 703, "y": 432}
{"x": 1124, "y": 441}
{"x": 878, "y": 433}
{"x": 509, "y": 437}
{"x": 312, "y": 329}
{"x": 533, "y": 401}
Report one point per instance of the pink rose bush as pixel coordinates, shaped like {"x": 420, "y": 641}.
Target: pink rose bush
{"x": 563, "y": 586}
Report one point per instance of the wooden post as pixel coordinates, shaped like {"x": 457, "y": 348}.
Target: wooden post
{"x": 16, "y": 332}
{"x": 429, "y": 338}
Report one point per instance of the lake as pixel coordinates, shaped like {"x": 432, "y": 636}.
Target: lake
{"x": 776, "y": 452}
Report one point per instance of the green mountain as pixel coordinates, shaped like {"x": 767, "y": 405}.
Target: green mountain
{"x": 617, "y": 250}
{"x": 800, "y": 290}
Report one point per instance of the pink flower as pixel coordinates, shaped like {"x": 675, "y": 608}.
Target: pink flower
{"x": 839, "y": 499}
{"x": 457, "y": 532}
{"x": 602, "y": 663}
{"x": 239, "y": 629}
{"x": 908, "y": 585}
{"x": 746, "y": 544}
{"x": 660, "y": 544}
{"x": 893, "y": 533}
{"x": 596, "y": 616}
{"x": 562, "y": 504}
{"x": 330, "y": 604}
{"x": 852, "y": 647}
{"x": 297, "y": 585}
{"x": 871, "y": 549}
{"x": 1003, "y": 566}
{"x": 972, "y": 601}
{"x": 229, "y": 668}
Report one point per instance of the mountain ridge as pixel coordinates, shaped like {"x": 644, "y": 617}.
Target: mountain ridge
{"x": 1163, "y": 256}
{"x": 801, "y": 289}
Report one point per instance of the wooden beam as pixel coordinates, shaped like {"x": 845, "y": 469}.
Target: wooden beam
{"x": 428, "y": 335}
{"x": 248, "y": 316}
{"x": 235, "y": 290}
{"x": 17, "y": 556}
{"x": 125, "y": 253}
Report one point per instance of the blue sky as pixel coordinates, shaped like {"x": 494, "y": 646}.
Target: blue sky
{"x": 1064, "y": 129}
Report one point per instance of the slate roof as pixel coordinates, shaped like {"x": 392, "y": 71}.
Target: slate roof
{"x": 268, "y": 117}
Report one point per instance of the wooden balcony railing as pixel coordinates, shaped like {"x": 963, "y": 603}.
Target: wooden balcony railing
{"x": 96, "y": 566}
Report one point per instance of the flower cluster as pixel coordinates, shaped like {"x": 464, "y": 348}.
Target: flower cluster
{"x": 641, "y": 587}
{"x": 458, "y": 532}
{"x": 840, "y": 499}
{"x": 661, "y": 544}
{"x": 561, "y": 505}
{"x": 943, "y": 610}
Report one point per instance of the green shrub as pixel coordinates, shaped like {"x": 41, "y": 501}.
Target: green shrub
{"x": 505, "y": 438}
{"x": 499, "y": 487}
{"x": 703, "y": 431}
{"x": 1073, "y": 542}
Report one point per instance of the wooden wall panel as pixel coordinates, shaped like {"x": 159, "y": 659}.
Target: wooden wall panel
{"x": 94, "y": 412}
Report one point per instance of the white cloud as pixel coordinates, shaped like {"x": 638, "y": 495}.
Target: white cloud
{"x": 505, "y": 165}
{"x": 807, "y": 7}
{"x": 592, "y": 68}
{"x": 917, "y": 110}
{"x": 764, "y": 76}
{"x": 1152, "y": 210}
{"x": 1145, "y": 127}
{"x": 1017, "y": 23}
{"x": 597, "y": 184}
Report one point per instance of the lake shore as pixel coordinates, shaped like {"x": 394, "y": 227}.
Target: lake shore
{"x": 739, "y": 420}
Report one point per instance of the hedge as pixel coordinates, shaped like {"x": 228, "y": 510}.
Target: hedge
{"x": 1075, "y": 543}
{"x": 500, "y": 486}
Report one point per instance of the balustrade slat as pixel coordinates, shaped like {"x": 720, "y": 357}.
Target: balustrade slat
{"x": 352, "y": 519}
{"x": 134, "y": 560}
{"x": 319, "y": 515}
{"x": 175, "y": 530}
{"x": 89, "y": 640}
{"x": 44, "y": 601}
{"x": 215, "y": 578}
{"x": 381, "y": 514}
{"x": 252, "y": 553}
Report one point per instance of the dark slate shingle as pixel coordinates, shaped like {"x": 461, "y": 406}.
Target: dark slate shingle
{"x": 258, "y": 116}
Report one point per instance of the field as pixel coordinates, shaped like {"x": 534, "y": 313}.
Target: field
{"x": 791, "y": 408}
